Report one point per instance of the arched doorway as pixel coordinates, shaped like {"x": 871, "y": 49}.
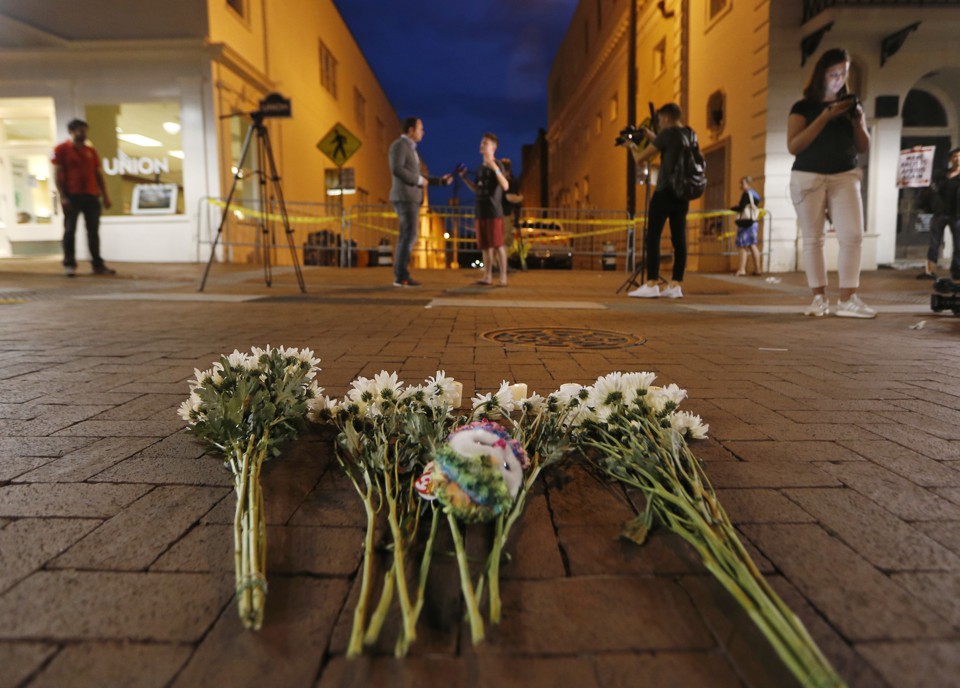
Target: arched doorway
{"x": 929, "y": 119}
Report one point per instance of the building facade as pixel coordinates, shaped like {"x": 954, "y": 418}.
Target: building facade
{"x": 736, "y": 68}
{"x": 168, "y": 90}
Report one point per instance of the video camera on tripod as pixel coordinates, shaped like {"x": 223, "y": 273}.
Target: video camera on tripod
{"x": 270, "y": 192}
{"x": 273, "y": 105}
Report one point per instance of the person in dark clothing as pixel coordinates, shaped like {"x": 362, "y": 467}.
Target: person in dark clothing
{"x": 664, "y": 205}
{"x": 946, "y": 214}
{"x": 490, "y": 185}
{"x": 79, "y": 180}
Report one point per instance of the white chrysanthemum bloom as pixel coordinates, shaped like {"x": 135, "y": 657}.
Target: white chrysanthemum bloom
{"x": 237, "y": 359}
{"x": 321, "y": 407}
{"x": 639, "y": 382}
{"x": 505, "y": 397}
{"x": 190, "y": 407}
{"x": 314, "y": 390}
{"x": 533, "y": 403}
{"x": 689, "y": 425}
{"x": 663, "y": 399}
{"x": 578, "y": 415}
{"x": 413, "y": 393}
{"x": 362, "y": 390}
{"x": 386, "y": 385}
{"x": 487, "y": 405}
{"x": 443, "y": 390}
{"x": 300, "y": 357}
{"x": 568, "y": 393}
{"x": 607, "y": 395}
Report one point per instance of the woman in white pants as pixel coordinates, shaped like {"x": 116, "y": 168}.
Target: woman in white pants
{"x": 826, "y": 131}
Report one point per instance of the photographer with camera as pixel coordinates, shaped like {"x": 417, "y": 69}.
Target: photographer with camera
{"x": 665, "y": 205}
{"x": 826, "y": 130}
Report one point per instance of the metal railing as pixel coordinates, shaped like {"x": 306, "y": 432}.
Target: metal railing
{"x": 365, "y": 236}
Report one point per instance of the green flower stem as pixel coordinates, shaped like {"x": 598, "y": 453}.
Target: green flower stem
{"x": 425, "y": 563}
{"x": 501, "y": 537}
{"x": 379, "y": 615}
{"x": 679, "y": 492}
{"x": 249, "y": 530}
{"x": 355, "y": 646}
{"x": 466, "y": 586}
{"x": 399, "y": 571}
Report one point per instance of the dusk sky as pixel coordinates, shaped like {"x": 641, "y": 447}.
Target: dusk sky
{"x": 464, "y": 68}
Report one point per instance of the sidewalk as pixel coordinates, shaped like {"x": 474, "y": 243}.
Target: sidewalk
{"x": 834, "y": 445}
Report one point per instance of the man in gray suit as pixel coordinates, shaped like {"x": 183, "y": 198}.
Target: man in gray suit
{"x": 406, "y": 195}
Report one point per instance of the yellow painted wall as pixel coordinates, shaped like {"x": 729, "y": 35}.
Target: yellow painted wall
{"x": 291, "y": 31}
{"x": 727, "y": 53}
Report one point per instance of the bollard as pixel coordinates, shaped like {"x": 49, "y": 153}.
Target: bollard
{"x": 609, "y": 258}
{"x": 384, "y": 254}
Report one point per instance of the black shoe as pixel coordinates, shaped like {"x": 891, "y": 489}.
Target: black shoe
{"x": 927, "y": 275}
{"x": 103, "y": 270}
{"x": 70, "y": 270}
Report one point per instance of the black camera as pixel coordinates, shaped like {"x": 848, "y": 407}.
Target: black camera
{"x": 631, "y": 133}
{"x": 946, "y": 296}
{"x": 274, "y": 105}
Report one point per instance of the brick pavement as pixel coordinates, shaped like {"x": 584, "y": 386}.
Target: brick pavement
{"x": 834, "y": 447}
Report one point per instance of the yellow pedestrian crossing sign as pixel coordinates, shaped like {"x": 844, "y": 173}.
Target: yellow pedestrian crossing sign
{"x": 339, "y": 144}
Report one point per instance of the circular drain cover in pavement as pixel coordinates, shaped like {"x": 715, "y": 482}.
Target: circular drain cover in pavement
{"x": 563, "y": 338}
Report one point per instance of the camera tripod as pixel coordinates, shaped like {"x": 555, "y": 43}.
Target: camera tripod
{"x": 265, "y": 171}
{"x": 639, "y": 271}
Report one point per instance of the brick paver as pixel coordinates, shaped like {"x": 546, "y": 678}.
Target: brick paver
{"x": 834, "y": 445}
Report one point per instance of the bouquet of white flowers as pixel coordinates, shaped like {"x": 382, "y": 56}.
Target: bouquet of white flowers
{"x": 245, "y": 406}
{"x": 387, "y": 433}
{"x": 634, "y": 433}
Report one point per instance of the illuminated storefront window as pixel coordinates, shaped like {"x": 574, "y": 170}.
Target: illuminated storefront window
{"x": 140, "y": 145}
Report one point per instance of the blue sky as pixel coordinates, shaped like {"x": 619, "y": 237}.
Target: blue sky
{"x": 464, "y": 68}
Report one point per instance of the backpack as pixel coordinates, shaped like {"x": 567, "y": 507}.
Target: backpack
{"x": 689, "y": 179}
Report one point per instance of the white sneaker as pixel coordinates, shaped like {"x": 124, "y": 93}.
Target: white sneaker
{"x": 854, "y": 308}
{"x": 819, "y": 307}
{"x": 672, "y": 292}
{"x": 645, "y": 291}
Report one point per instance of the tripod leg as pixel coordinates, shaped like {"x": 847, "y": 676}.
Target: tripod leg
{"x": 282, "y": 205}
{"x": 226, "y": 208}
{"x": 264, "y": 223}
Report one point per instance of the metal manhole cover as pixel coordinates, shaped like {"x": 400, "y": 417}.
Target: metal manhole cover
{"x": 563, "y": 338}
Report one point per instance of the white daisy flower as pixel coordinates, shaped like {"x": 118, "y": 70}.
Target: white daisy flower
{"x": 321, "y": 408}
{"x": 663, "y": 399}
{"x": 386, "y": 385}
{"x": 608, "y": 394}
{"x": 533, "y": 404}
{"x": 689, "y": 425}
{"x": 444, "y": 390}
{"x": 505, "y": 398}
{"x": 569, "y": 393}
{"x": 362, "y": 390}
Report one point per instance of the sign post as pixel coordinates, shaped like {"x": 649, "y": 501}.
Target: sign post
{"x": 339, "y": 144}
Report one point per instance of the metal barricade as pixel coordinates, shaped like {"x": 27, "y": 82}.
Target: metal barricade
{"x": 323, "y": 234}
{"x": 446, "y": 237}
{"x": 251, "y": 228}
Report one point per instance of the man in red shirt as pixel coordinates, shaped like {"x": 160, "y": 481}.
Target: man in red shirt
{"x": 80, "y": 183}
